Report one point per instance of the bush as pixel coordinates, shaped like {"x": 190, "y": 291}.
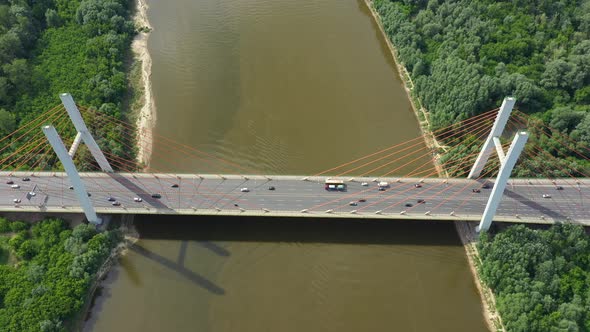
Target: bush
{"x": 17, "y": 226}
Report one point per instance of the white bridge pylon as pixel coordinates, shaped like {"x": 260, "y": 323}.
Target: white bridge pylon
{"x": 507, "y": 161}
{"x": 66, "y": 157}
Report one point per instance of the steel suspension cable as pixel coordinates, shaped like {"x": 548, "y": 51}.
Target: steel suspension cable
{"x": 421, "y": 138}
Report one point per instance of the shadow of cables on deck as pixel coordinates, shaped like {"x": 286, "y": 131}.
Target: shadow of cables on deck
{"x": 140, "y": 192}
{"x": 533, "y": 205}
{"x": 179, "y": 268}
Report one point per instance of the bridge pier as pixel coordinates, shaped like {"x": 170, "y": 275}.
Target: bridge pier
{"x": 507, "y": 164}
{"x": 68, "y": 164}
{"x": 493, "y": 138}
{"x": 83, "y": 133}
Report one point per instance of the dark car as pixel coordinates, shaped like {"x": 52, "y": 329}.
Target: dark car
{"x": 71, "y": 187}
{"x": 9, "y": 182}
{"x": 475, "y": 190}
{"x": 408, "y": 205}
{"x": 420, "y": 201}
{"x": 174, "y": 185}
{"x": 89, "y": 194}
{"x": 111, "y": 199}
{"x": 156, "y": 195}
{"x": 417, "y": 185}
{"x": 26, "y": 179}
{"x": 486, "y": 186}
{"x": 353, "y": 203}
{"x": 271, "y": 188}
{"x": 362, "y": 200}
{"x": 559, "y": 188}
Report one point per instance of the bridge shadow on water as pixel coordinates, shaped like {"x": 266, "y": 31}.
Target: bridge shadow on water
{"x": 206, "y": 229}
{"x": 179, "y": 268}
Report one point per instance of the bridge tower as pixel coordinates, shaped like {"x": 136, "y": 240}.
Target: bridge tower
{"x": 66, "y": 157}
{"x": 507, "y": 161}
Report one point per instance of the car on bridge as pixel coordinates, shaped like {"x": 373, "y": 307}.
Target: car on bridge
{"x": 271, "y": 188}
{"x": 546, "y": 196}
{"x": 476, "y": 190}
{"x": 16, "y": 200}
{"x": 559, "y": 188}
{"x": 417, "y": 185}
{"x": 111, "y": 199}
{"x": 353, "y": 203}
{"x": 137, "y": 199}
{"x": 116, "y": 203}
{"x": 9, "y": 182}
{"x": 245, "y": 190}
{"x": 15, "y": 186}
{"x": 156, "y": 195}
{"x": 26, "y": 179}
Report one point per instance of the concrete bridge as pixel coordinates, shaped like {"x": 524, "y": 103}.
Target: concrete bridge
{"x": 295, "y": 196}
{"x": 476, "y": 198}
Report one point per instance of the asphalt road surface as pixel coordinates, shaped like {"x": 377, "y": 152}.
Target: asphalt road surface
{"x": 454, "y": 199}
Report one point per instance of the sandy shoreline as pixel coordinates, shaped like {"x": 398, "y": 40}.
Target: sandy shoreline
{"x": 465, "y": 230}
{"x": 146, "y": 114}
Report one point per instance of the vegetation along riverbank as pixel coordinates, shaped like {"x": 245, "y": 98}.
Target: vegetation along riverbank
{"x": 78, "y": 46}
{"x": 464, "y": 57}
{"x": 540, "y": 277}
{"x": 459, "y": 59}
{"x": 46, "y": 272}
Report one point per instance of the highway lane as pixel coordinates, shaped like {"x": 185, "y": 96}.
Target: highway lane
{"x": 220, "y": 194}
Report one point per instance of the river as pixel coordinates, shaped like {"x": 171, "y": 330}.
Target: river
{"x": 281, "y": 87}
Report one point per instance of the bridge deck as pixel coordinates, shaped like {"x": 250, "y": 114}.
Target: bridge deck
{"x": 220, "y": 194}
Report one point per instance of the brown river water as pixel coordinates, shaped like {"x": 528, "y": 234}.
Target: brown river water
{"x": 281, "y": 87}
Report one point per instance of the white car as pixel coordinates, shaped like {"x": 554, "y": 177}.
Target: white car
{"x": 32, "y": 193}
{"x": 364, "y": 184}
{"x": 16, "y": 200}
{"x": 546, "y": 196}
{"x": 137, "y": 199}
{"x": 15, "y": 186}
{"x": 244, "y": 190}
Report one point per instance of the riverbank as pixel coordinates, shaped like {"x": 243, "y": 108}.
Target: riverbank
{"x": 144, "y": 109}
{"x": 422, "y": 115}
{"x": 465, "y": 230}
{"x": 468, "y": 236}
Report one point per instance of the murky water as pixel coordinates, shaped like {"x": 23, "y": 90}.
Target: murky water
{"x": 281, "y": 87}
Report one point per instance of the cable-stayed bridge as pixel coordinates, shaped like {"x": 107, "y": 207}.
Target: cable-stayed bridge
{"x": 472, "y": 184}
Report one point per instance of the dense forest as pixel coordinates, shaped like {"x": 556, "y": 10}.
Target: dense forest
{"x": 46, "y": 271}
{"x": 541, "y": 278}
{"x": 465, "y": 56}
{"x": 52, "y": 46}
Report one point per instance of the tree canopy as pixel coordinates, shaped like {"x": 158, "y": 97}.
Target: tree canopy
{"x": 53, "y": 46}
{"x": 465, "y": 56}
{"x": 54, "y": 269}
{"x": 541, "y": 278}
